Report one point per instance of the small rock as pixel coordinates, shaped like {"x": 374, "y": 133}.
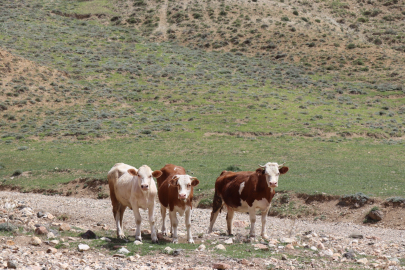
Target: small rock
{"x": 10, "y": 243}
{"x": 362, "y": 261}
{"x": 54, "y": 242}
{"x": 286, "y": 240}
{"x": 228, "y": 241}
{"x": 221, "y": 266}
{"x": 64, "y": 227}
{"x": 320, "y": 246}
{"x": 201, "y": 247}
{"x": 41, "y": 230}
{"x": 314, "y": 248}
{"x": 41, "y": 214}
{"x": 50, "y": 216}
{"x": 376, "y": 215}
{"x": 118, "y": 255}
{"x": 349, "y": 255}
{"x": 284, "y": 257}
{"x": 83, "y": 247}
{"x": 356, "y": 236}
{"x": 51, "y": 250}
{"x": 35, "y": 241}
{"x": 105, "y": 239}
{"x": 137, "y": 243}
{"x": 168, "y": 250}
{"x": 88, "y": 235}
{"x": 177, "y": 252}
{"x": 260, "y": 247}
{"x": 11, "y": 264}
{"x": 220, "y": 247}
{"x": 289, "y": 247}
{"x": 50, "y": 235}
{"x": 328, "y": 252}
{"x": 123, "y": 250}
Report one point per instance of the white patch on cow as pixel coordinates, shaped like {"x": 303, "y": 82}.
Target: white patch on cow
{"x": 180, "y": 210}
{"x": 241, "y": 187}
{"x": 257, "y": 204}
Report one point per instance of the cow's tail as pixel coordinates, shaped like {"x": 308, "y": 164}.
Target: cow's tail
{"x": 216, "y": 209}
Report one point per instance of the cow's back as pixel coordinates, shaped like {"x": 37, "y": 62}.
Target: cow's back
{"x": 228, "y": 186}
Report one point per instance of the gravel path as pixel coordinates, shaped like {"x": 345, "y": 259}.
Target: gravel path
{"x": 379, "y": 247}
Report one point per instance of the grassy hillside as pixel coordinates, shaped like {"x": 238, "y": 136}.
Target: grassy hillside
{"x": 180, "y": 80}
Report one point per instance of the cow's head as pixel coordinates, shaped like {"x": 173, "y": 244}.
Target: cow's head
{"x": 272, "y": 171}
{"x": 145, "y": 176}
{"x": 184, "y": 184}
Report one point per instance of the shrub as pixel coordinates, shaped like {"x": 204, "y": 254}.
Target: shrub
{"x": 295, "y": 13}
{"x": 233, "y": 168}
{"x": 17, "y": 173}
{"x": 285, "y": 19}
{"x": 351, "y": 46}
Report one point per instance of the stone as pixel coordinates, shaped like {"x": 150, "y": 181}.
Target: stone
{"x": 168, "y": 250}
{"x": 10, "y": 243}
{"x": 177, "y": 252}
{"x": 289, "y": 247}
{"x": 228, "y": 241}
{"x": 83, "y": 247}
{"x": 137, "y": 243}
{"x": 260, "y": 247}
{"x": 356, "y": 236}
{"x": 349, "y": 255}
{"x": 89, "y": 235}
{"x": 201, "y": 247}
{"x": 376, "y": 215}
{"x": 41, "y": 230}
{"x": 362, "y": 261}
{"x": 54, "y": 242}
{"x": 220, "y": 247}
{"x": 41, "y": 214}
{"x": 35, "y": 241}
{"x": 284, "y": 257}
{"x": 51, "y": 250}
{"x": 221, "y": 266}
{"x": 123, "y": 250}
{"x": 105, "y": 239}
{"x": 64, "y": 227}
{"x": 327, "y": 252}
{"x": 286, "y": 240}
{"x": 320, "y": 246}
{"x": 50, "y": 235}
{"x": 11, "y": 264}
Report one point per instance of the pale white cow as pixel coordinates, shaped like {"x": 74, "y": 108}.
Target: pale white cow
{"x": 135, "y": 189}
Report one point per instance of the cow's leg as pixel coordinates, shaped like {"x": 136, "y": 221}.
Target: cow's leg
{"x": 174, "y": 222}
{"x": 118, "y": 211}
{"x": 188, "y": 225}
{"x": 264, "y": 219}
{"x": 229, "y": 218}
{"x": 252, "y": 215}
{"x": 216, "y": 208}
{"x": 138, "y": 220}
{"x": 163, "y": 214}
{"x": 153, "y": 233}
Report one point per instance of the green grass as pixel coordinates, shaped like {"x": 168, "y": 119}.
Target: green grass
{"x": 347, "y": 167}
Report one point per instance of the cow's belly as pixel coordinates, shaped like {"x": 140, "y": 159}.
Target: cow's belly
{"x": 257, "y": 204}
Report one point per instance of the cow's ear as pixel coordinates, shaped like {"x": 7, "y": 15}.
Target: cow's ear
{"x": 260, "y": 171}
{"x": 173, "y": 181}
{"x": 194, "y": 181}
{"x": 283, "y": 170}
{"x": 132, "y": 172}
{"x": 157, "y": 174}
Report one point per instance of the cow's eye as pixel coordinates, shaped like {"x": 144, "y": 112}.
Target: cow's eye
{"x": 188, "y": 185}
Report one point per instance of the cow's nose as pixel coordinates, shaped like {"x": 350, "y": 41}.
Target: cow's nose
{"x": 144, "y": 186}
{"x": 182, "y": 196}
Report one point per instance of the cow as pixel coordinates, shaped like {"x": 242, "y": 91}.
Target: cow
{"x": 245, "y": 192}
{"x": 175, "y": 192}
{"x": 135, "y": 189}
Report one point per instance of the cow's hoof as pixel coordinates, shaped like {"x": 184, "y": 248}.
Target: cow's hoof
{"x": 138, "y": 239}
{"x": 155, "y": 241}
{"x": 175, "y": 241}
{"x": 265, "y": 237}
{"x": 121, "y": 236}
{"x": 191, "y": 241}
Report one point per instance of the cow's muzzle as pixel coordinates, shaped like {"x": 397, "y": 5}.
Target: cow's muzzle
{"x": 182, "y": 196}
{"x": 144, "y": 187}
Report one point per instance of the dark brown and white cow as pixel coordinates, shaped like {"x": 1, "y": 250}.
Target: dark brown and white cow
{"x": 246, "y": 192}
{"x": 135, "y": 189}
{"x": 175, "y": 192}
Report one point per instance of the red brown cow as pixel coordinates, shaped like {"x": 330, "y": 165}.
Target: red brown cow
{"x": 175, "y": 192}
{"x": 246, "y": 192}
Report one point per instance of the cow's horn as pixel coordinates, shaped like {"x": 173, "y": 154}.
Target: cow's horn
{"x": 262, "y": 166}
{"x": 281, "y": 165}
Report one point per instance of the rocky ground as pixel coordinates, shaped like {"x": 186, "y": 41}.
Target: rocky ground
{"x": 46, "y": 241}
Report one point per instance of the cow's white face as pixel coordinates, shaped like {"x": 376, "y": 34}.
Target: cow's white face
{"x": 145, "y": 176}
{"x": 272, "y": 171}
{"x": 184, "y": 184}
